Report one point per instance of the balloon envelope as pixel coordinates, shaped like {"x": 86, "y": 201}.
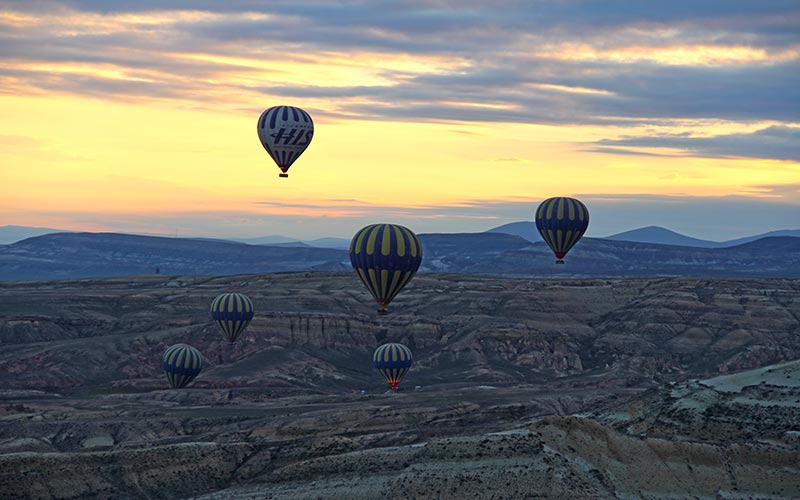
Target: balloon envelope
{"x": 285, "y": 132}
{"x": 181, "y": 364}
{"x": 385, "y": 257}
{"x": 561, "y": 221}
{"x": 232, "y": 312}
{"x": 393, "y": 361}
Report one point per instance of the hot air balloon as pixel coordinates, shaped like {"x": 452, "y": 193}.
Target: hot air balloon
{"x": 182, "y": 363}
{"x": 385, "y": 257}
{"x": 393, "y": 361}
{"x": 232, "y": 313}
{"x": 285, "y": 132}
{"x": 561, "y": 222}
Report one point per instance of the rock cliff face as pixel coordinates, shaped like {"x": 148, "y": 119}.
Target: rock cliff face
{"x": 529, "y": 388}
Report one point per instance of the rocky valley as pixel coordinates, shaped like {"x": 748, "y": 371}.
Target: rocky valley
{"x": 520, "y": 388}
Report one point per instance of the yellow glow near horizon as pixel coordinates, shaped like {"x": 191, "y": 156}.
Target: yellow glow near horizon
{"x": 73, "y": 154}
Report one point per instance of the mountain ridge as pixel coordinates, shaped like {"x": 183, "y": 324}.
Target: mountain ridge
{"x": 77, "y": 255}
{"x": 663, "y": 236}
{"x": 526, "y": 229}
{"x": 647, "y": 234}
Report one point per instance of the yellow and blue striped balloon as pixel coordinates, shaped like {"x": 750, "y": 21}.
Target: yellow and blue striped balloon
{"x": 181, "y": 363}
{"x": 561, "y": 221}
{"x": 385, "y": 257}
{"x": 393, "y": 361}
{"x": 232, "y": 312}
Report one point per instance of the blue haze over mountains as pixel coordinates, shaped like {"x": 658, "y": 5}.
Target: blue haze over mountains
{"x": 649, "y": 234}
{"x": 496, "y": 252}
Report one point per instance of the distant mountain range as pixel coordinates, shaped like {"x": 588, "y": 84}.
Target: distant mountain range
{"x": 523, "y": 229}
{"x": 75, "y": 255}
{"x": 650, "y": 234}
{"x": 509, "y": 255}
{"x": 340, "y": 243}
{"x": 12, "y": 234}
{"x": 663, "y": 236}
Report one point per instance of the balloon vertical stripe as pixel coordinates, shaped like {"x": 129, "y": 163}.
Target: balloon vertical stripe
{"x": 371, "y": 241}
{"x": 401, "y": 241}
{"x": 386, "y": 242}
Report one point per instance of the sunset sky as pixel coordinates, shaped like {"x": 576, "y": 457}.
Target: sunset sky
{"x": 445, "y": 116}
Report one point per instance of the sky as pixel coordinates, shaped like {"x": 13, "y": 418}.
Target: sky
{"x": 442, "y": 115}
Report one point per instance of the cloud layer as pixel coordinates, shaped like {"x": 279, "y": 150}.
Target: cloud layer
{"x": 544, "y": 62}
{"x": 715, "y": 79}
{"x": 776, "y": 142}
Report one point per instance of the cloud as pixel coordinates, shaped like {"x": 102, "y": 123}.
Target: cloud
{"x": 777, "y": 191}
{"x": 622, "y": 151}
{"x": 559, "y": 62}
{"x": 776, "y": 142}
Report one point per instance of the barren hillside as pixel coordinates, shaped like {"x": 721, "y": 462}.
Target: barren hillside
{"x": 527, "y": 388}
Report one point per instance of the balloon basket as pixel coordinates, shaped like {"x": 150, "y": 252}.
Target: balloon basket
{"x": 560, "y": 261}
{"x": 283, "y": 175}
{"x": 382, "y": 312}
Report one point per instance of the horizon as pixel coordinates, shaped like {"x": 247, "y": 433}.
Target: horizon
{"x": 289, "y": 239}
{"x": 140, "y": 117}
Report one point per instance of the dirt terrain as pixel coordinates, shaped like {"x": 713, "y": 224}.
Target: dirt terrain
{"x": 652, "y": 388}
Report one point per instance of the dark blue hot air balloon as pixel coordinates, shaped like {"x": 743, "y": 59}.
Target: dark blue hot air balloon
{"x": 561, "y": 222}
{"x": 232, "y": 312}
{"x": 285, "y": 132}
{"x": 181, "y": 363}
{"x": 393, "y": 361}
{"x": 385, "y": 257}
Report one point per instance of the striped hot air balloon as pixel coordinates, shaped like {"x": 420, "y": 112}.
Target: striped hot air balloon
{"x": 393, "y": 361}
{"x": 232, "y": 312}
{"x": 385, "y": 257}
{"x": 561, "y": 222}
{"x": 181, "y": 363}
{"x": 285, "y": 132}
